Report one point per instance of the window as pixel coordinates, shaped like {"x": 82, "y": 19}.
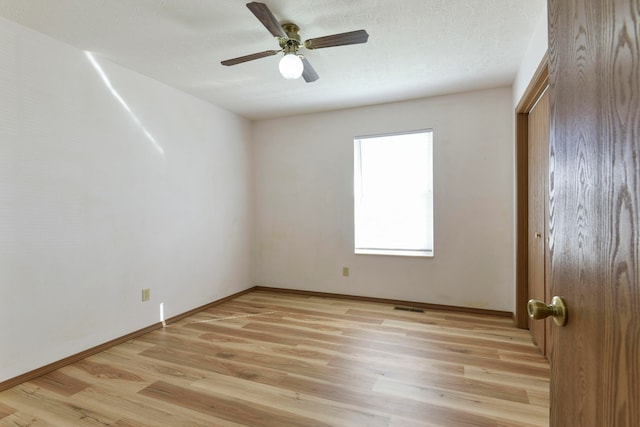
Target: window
{"x": 393, "y": 194}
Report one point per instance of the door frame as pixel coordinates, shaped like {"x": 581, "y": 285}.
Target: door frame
{"x": 534, "y": 90}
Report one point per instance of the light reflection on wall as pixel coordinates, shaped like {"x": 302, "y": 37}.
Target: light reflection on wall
{"x": 122, "y": 102}
{"x": 164, "y": 324}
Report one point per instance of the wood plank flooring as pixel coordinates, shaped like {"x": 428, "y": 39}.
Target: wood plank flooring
{"x": 278, "y": 359}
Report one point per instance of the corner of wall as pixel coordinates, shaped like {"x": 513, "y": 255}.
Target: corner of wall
{"x": 533, "y": 55}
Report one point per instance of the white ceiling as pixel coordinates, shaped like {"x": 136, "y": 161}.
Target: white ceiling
{"x": 416, "y": 48}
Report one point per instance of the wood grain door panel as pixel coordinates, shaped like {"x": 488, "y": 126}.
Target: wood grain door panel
{"x": 595, "y": 211}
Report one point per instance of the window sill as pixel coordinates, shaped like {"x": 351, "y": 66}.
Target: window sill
{"x": 418, "y": 254}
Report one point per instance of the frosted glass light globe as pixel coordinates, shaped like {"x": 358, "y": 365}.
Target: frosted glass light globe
{"x": 291, "y": 66}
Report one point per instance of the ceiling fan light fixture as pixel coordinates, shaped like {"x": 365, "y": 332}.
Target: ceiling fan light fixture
{"x": 291, "y": 66}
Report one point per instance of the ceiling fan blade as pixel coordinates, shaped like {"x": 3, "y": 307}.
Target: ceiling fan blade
{"x": 308, "y": 72}
{"x": 352, "y": 37}
{"x": 264, "y": 15}
{"x": 251, "y": 57}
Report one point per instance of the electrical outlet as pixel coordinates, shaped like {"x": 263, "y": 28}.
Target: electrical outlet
{"x": 345, "y": 271}
{"x": 146, "y": 295}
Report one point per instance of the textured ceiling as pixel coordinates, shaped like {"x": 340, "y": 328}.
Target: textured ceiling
{"x": 416, "y": 48}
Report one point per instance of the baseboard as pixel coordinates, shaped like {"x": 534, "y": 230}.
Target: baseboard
{"x": 12, "y": 382}
{"x": 208, "y": 306}
{"x": 423, "y": 305}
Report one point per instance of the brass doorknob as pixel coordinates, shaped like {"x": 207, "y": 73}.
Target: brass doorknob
{"x": 557, "y": 309}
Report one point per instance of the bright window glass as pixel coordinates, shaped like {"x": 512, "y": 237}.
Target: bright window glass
{"x": 393, "y": 193}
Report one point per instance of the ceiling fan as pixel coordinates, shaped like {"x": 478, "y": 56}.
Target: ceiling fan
{"x": 293, "y": 64}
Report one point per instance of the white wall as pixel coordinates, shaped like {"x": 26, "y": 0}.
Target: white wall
{"x": 532, "y": 57}
{"x": 303, "y": 171}
{"x": 110, "y": 182}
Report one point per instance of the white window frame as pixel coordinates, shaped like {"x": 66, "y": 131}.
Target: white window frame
{"x": 416, "y": 246}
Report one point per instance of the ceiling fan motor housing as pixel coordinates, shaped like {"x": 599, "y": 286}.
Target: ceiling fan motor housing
{"x": 292, "y": 42}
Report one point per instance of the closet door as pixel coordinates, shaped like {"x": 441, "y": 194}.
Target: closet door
{"x": 538, "y": 215}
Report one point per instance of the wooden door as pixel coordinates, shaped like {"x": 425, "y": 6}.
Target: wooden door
{"x": 538, "y": 194}
{"x": 595, "y": 211}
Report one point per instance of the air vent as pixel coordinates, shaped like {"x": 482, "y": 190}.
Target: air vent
{"x": 413, "y": 309}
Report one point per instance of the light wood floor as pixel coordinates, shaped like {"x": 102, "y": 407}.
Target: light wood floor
{"x": 273, "y": 359}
